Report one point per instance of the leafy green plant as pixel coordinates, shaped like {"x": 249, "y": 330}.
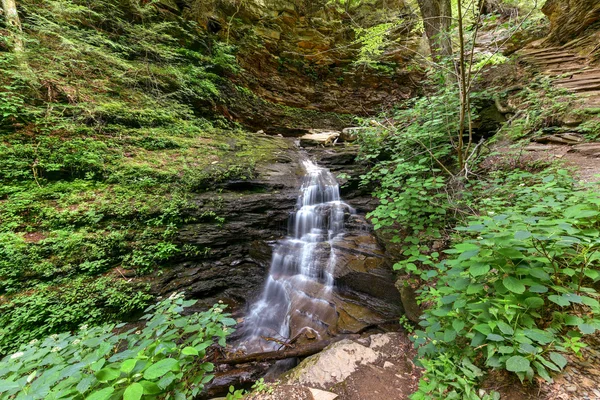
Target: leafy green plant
{"x": 517, "y": 286}
{"x": 163, "y": 359}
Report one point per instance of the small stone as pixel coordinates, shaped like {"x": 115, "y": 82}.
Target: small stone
{"x": 388, "y": 364}
{"x": 571, "y": 388}
{"x": 322, "y": 395}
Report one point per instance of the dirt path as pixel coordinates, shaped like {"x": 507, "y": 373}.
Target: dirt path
{"x": 585, "y": 157}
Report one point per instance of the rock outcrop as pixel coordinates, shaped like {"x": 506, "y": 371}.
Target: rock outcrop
{"x": 371, "y": 368}
{"x": 238, "y": 224}
{"x": 571, "y": 18}
{"x": 299, "y": 59}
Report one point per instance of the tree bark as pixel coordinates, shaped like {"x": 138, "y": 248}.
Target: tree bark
{"x": 13, "y": 21}
{"x": 437, "y": 19}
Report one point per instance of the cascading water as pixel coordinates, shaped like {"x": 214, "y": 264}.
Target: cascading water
{"x": 300, "y": 281}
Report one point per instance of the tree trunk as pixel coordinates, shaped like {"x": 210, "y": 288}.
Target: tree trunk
{"x": 437, "y": 19}
{"x": 13, "y": 21}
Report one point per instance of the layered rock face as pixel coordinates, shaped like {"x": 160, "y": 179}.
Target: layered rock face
{"x": 302, "y": 54}
{"x": 255, "y": 215}
{"x": 571, "y": 18}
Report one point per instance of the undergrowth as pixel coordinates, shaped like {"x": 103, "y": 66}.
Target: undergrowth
{"x": 506, "y": 256}
{"x": 107, "y": 129}
{"x": 164, "y": 358}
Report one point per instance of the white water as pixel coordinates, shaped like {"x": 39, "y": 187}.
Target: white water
{"x": 298, "y": 265}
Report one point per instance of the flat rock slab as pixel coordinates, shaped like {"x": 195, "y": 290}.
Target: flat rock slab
{"x": 587, "y": 149}
{"x": 323, "y": 138}
{"x": 370, "y": 368}
{"x": 293, "y": 392}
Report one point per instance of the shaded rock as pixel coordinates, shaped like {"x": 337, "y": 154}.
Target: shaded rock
{"x": 231, "y": 235}
{"x": 569, "y": 138}
{"x": 409, "y": 302}
{"x": 297, "y": 61}
{"x": 569, "y": 18}
{"x": 363, "y": 269}
{"x": 588, "y": 150}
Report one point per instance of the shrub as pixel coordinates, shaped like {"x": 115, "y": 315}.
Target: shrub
{"x": 164, "y": 359}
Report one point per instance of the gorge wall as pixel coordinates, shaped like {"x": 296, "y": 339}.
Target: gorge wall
{"x": 300, "y": 60}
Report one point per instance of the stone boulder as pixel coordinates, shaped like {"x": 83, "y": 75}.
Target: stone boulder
{"x": 372, "y": 368}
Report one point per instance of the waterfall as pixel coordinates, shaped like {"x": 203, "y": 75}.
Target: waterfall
{"x": 301, "y": 276}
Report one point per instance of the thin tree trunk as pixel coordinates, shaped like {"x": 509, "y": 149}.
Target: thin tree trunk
{"x": 13, "y": 21}
{"x": 437, "y": 19}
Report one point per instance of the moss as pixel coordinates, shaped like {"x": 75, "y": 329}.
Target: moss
{"x": 101, "y": 154}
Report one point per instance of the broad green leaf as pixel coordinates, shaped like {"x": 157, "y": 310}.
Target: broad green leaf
{"x": 449, "y": 335}
{"x": 157, "y": 370}
{"x": 150, "y": 388}
{"x": 511, "y": 253}
{"x": 107, "y": 374}
{"x": 495, "y": 338}
{"x": 517, "y": 364}
{"x": 541, "y": 370}
{"x": 538, "y": 289}
{"x": 522, "y": 235}
{"x": 506, "y": 349}
{"x": 189, "y": 351}
{"x": 588, "y": 301}
{"x": 534, "y": 302}
{"x": 592, "y": 274}
{"x": 561, "y": 301}
{"x": 540, "y": 336}
{"x": 586, "y": 329}
{"x": 128, "y": 365}
{"x": 103, "y": 394}
{"x": 573, "y": 320}
{"x": 513, "y": 284}
{"x": 505, "y": 328}
{"x": 458, "y": 325}
{"x": 8, "y": 385}
{"x": 479, "y": 269}
{"x": 135, "y": 391}
{"x": 558, "y": 359}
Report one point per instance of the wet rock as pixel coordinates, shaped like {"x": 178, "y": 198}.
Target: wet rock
{"x": 362, "y": 269}
{"x": 231, "y": 235}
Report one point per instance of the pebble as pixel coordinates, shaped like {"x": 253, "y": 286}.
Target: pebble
{"x": 571, "y": 388}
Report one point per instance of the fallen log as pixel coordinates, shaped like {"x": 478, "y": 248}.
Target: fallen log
{"x": 300, "y": 351}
